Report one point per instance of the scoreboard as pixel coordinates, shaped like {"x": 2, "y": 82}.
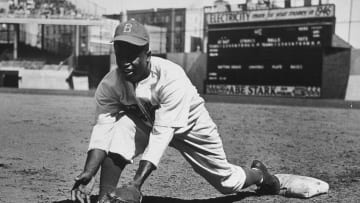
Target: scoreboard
{"x": 273, "y": 66}
{"x": 268, "y": 59}
{"x": 282, "y": 36}
{"x": 268, "y": 56}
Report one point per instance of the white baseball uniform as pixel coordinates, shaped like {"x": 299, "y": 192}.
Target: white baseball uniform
{"x": 165, "y": 108}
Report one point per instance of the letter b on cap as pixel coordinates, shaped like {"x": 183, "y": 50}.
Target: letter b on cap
{"x": 127, "y": 27}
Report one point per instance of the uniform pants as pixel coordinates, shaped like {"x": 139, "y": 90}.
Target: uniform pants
{"x": 201, "y": 146}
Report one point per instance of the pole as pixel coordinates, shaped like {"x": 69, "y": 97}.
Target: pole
{"x": 77, "y": 42}
{"x": 16, "y": 41}
{"x": 8, "y": 33}
{"x": 350, "y": 16}
{"x": 172, "y": 31}
{"x": 123, "y": 10}
{"x": 42, "y": 36}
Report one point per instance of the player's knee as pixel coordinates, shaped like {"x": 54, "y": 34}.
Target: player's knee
{"x": 118, "y": 159}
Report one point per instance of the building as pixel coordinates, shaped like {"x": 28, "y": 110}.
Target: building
{"x": 100, "y": 37}
{"x": 184, "y": 27}
{"x": 171, "y": 19}
{"x": 57, "y": 39}
{"x": 60, "y": 39}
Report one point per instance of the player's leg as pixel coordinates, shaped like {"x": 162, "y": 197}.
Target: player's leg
{"x": 210, "y": 162}
{"x": 253, "y": 177}
{"x": 130, "y": 138}
{"x": 203, "y": 149}
{"x": 92, "y": 164}
{"x": 259, "y": 175}
{"x": 99, "y": 143}
{"x": 227, "y": 178}
{"x": 269, "y": 183}
{"x": 111, "y": 169}
{"x": 101, "y": 136}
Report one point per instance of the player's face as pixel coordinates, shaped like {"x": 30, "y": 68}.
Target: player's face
{"x": 132, "y": 61}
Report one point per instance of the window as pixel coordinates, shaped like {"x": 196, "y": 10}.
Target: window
{"x": 178, "y": 18}
{"x": 178, "y": 24}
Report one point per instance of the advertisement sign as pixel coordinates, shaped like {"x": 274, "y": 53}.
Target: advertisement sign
{"x": 263, "y": 90}
{"x": 320, "y": 11}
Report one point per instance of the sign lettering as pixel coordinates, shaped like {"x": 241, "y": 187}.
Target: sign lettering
{"x": 319, "y": 11}
{"x": 263, "y": 90}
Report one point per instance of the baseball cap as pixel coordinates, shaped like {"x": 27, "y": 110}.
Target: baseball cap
{"x": 132, "y": 32}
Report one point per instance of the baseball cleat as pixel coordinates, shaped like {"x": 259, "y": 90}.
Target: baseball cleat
{"x": 270, "y": 184}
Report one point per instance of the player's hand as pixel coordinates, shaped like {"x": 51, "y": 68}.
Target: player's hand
{"x": 84, "y": 184}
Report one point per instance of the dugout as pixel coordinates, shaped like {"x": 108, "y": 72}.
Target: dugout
{"x": 289, "y": 52}
{"x": 9, "y": 78}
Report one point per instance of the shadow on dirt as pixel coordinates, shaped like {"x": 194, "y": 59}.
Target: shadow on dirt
{"x": 224, "y": 199}
{"x": 157, "y": 199}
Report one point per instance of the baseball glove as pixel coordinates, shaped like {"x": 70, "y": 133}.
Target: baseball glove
{"x": 124, "y": 194}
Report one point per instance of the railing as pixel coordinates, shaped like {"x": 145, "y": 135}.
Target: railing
{"x": 42, "y": 16}
{"x": 54, "y": 9}
{"x": 86, "y": 6}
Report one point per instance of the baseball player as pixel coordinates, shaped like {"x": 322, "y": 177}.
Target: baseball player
{"x": 143, "y": 106}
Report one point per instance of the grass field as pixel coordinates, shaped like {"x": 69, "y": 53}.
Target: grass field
{"x": 44, "y": 140}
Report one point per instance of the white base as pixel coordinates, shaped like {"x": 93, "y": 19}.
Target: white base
{"x": 301, "y": 186}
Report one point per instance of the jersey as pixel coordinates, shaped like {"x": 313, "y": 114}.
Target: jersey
{"x": 166, "y": 99}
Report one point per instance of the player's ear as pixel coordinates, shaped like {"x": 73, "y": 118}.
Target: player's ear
{"x": 148, "y": 55}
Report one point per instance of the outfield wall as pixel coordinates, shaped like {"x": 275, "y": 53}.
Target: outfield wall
{"x": 42, "y": 79}
{"x": 338, "y": 82}
{"x": 353, "y": 86}
{"x": 355, "y": 62}
{"x": 335, "y": 73}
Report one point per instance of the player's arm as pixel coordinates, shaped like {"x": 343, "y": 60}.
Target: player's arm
{"x": 106, "y": 106}
{"x": 172, "y": 114}
{"x": 132, "y": 191}
{"x": 159, "y": 140}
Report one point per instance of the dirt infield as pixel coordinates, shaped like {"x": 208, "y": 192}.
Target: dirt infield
{"x": 44, "y": 140}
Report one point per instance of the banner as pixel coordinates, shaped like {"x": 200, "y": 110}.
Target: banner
{"x": 263, "y": 90}
{"x": 321, "y": 11}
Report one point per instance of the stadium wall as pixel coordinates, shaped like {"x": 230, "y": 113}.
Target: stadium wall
{"x": 353, "y": 87}
{"x": 335, "y": 73}
{"x": 355, "y": 62}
